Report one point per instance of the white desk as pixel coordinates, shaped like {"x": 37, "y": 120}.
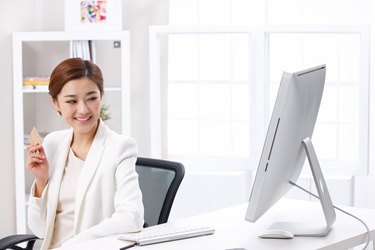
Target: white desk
{"x": 232, "y": 231}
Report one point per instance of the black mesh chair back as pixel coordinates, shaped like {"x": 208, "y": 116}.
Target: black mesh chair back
{"x": 159, "y": 181}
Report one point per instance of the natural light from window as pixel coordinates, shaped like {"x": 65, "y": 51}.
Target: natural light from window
{"x": 210, "y": 78}
{"x": 208, "y": 95}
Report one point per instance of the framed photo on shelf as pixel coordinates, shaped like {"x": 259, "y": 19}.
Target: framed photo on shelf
{"x": 93, "y": 15}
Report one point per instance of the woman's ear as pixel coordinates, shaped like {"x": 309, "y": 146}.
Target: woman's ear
{"x": 56, "y": 105}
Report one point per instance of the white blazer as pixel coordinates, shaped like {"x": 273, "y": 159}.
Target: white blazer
{"x": 108, "y": 198}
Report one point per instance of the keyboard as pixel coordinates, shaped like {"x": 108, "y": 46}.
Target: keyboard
{"x": 167, "y": 233}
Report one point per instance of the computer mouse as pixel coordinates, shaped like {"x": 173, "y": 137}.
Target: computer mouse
{"x": 276, "y": 234}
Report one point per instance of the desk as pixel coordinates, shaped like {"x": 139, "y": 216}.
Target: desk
{"x": 232, "y": 231}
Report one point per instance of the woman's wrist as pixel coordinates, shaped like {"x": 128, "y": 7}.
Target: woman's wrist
{"x": 39, "y": 187}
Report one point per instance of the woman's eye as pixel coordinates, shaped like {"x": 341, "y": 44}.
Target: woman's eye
{"x": 93, "y": 98}
{"x": 71, "y": 101}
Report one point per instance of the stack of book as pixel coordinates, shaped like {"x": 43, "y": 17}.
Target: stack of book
{"x": 36, "y": 83}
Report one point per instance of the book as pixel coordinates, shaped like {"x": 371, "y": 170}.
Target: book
{"x": 33, "y": 81}
{"x": 36, "y": 83}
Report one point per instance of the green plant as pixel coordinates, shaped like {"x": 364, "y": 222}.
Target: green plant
{"x": 104, "y": 115}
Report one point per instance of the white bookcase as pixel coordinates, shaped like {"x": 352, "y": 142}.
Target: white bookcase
{"x": 36, "y": 54}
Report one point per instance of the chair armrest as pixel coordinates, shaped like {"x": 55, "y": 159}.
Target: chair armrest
{"x": 11, "y": 241}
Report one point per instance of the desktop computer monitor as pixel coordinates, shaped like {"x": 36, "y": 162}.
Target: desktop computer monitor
{"x": 286, "y": 146}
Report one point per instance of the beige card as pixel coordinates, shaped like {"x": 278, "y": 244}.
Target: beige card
{"x": 34, "y": 137}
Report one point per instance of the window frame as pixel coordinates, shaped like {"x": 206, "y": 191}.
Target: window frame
{"x": 155, "y": 93}
{"x": 336, "y": 167}
{"x": 259, "y": 72}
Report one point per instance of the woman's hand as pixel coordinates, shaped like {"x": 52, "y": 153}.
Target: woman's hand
{"x": 37, "y": 164}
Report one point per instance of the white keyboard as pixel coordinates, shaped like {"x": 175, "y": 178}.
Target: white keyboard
{"x": 163, "y": 234}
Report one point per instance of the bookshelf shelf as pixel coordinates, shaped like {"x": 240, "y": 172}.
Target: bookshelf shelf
{"x": 36, "y": 54}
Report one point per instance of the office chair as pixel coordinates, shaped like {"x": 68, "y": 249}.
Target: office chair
{"x": 10, "y": 242}
{"x": 159, "y": 181}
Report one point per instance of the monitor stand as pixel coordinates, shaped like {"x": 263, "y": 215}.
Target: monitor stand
{"x": 287, "y": 230}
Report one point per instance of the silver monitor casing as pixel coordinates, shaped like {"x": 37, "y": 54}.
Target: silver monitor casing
{"x": 285, "y": 147}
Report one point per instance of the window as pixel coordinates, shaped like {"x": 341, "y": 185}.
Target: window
{"x": 209, "y": 83}
{"x": 341, "y": 131}
{"x": 207, "y": 94}
{"x": 215, "y": 104}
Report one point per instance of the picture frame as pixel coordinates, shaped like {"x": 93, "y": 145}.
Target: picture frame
{"x": 93, "y": 15}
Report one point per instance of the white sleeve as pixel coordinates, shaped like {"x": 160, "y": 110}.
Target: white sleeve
{"x": 37, "y": 212}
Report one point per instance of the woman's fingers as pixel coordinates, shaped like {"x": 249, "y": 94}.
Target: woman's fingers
{"x": 36, "y": 161}
{"x": 36, "y": 151}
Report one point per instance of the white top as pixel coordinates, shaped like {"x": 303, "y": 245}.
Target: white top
{"x": 64, "y": 220}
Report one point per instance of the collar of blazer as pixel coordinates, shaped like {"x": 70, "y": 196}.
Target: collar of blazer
{"x": 56, "y": 168}
{"x": 89, "y": 169}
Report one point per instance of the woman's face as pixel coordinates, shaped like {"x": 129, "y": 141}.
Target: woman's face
{"x": 79, "y": 103}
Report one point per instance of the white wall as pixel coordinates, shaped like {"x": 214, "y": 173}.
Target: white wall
{"x": 202, "y": 192}
{"x": 138, "y": 16}
{"x": 17, "y": 15}
{"x": 363, "y": 184}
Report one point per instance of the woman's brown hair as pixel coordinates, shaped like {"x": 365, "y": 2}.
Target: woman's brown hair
{"x": 72, "y": 69}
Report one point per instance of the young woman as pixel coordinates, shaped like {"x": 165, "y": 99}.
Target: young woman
{"x": 86, "y": 186}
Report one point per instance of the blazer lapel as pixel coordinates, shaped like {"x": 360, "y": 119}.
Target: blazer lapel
{"x": 55, "y": 180}
{"x": 89, "y": 169}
